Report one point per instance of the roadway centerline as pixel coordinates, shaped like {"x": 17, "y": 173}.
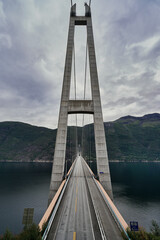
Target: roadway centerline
{"x": 73, "y": 221}
{"x": 77, "y": 187}
{"x": 74, "y": 235}
{"x": 76, "y": 205}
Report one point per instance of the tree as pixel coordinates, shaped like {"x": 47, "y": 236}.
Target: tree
{"x": 155, "y": 229}
{"x": 8, "y": 235}
{"x": 31, "y": 232}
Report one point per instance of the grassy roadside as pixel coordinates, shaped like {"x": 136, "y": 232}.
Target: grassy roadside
{"x": 154, "y": 233}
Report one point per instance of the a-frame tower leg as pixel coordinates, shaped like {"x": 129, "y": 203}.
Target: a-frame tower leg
{"x": 100, "y": 140}
{"x": 80, "y": 106}
{"x": 60, "y": 146}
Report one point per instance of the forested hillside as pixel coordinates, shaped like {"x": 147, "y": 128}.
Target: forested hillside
{"x": 128, "y": 138}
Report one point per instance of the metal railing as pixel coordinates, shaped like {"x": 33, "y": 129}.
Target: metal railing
{"x": 45, "y": 235}
{"x": 115, "y": 217}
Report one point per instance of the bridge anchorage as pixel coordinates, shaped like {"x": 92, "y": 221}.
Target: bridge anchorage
{"x": 68, "y": 106}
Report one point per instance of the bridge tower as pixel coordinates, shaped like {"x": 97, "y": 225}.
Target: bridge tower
{"x": 68, "y": 106}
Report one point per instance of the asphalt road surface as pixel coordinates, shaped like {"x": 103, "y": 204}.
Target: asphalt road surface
{"x": 83, "y": 213}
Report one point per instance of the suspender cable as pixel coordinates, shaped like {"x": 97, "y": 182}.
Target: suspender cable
{"x": 89, "y": 2}
{"x": 71, "y": 3}
{"x": 85, "y": 80}
{"x": 75, "y": 92}
{"x": 84, "y": 93}
{"x": 74, "y": 57}
{"x": 85, "y": 75}
{"x": 90, "y": 129}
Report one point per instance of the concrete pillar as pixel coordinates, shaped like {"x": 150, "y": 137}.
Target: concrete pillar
{"x": 60, "y": 146}
{"x": 80, "y": 106}
{"x": 100, "y": 140}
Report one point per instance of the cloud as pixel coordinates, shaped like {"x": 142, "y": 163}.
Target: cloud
{"x": 33, "y": 36}
{"x": 31, "y": 64}
{"x": 129, "y": 57}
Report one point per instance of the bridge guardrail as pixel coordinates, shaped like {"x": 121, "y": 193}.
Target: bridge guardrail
{"x": 56, "y": 203}
{"x": 116, "y": 214}
{"x": 114, "y": 211}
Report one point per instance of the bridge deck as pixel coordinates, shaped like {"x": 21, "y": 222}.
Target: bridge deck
{"x": 83, "y": 213}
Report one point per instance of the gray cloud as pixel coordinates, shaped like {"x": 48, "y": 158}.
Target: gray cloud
{"x": 33, "y": 36}
{"x": 129, "y": 69}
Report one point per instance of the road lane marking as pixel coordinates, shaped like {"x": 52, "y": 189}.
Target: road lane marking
{"x": 76, "y": 205}
{"x": 76, "y": 189}
{"x": 74, "y": 235}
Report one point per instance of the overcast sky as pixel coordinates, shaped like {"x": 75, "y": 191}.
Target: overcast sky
{"x": 33, "y": 38}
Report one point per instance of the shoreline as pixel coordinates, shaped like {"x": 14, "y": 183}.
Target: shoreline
{"x": 136, "y": 161}
{"x": 111, "y": 161}
{"x": 11, "y": 161}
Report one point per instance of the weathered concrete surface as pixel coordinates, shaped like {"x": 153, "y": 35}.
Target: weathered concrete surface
{"x": 100, "y": 140}
{"x": 83, "y": 211}
{"x": 80, "y": 106}
{"x": 60, "y": 147}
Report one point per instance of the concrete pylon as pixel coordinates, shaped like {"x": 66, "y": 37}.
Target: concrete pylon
{"x": 68, "y": 106}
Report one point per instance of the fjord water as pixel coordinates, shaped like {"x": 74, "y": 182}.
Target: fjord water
{"x": 136, "y": 188}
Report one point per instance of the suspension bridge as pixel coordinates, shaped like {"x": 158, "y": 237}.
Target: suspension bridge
{"x": 80, "y": 204}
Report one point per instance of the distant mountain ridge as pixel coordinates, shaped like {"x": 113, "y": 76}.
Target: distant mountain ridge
{"x": 128, "y": 139}
{"x": 147, "y": 117}
{"x": 134, "y": 138}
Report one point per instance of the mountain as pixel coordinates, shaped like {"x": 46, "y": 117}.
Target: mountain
{"x": 128, "y": 138}
{"x": 134, "y": 138}
{"x": 24, "y": 142}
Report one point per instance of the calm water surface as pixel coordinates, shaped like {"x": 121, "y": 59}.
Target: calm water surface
{"x": 136, "y": 188}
